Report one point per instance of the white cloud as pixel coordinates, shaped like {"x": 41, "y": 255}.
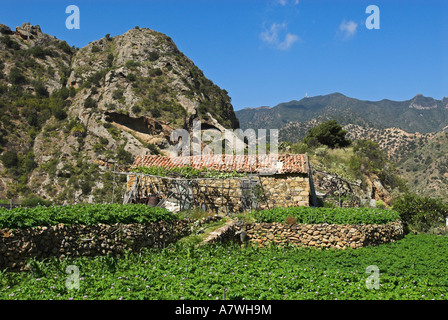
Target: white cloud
{"x": 285, "y": 2}
{"x": 271, "y": 36}
{"x": 348, "y": 28}
{"x": 288, "y": 42}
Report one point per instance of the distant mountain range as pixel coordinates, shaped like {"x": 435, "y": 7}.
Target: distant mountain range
{"x": 411, "y": 132}
{"x": 419, "y": 114}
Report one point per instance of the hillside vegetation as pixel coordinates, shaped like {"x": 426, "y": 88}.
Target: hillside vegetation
{"x": 426, "y": 167}
{"x": 411, "y": 133}
{"x": 70, "y": 115}
{"x": 360, "y": 167}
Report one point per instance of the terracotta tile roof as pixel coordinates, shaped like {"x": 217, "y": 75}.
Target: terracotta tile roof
{"x": 285, "y": 163}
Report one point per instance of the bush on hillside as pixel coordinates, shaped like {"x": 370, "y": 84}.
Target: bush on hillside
{"x": 420, "y": 214}
{"x": 34, "y": 201}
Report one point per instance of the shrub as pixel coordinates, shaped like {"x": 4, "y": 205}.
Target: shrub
{"x": 117, "y": 94}
{"x": 90, "y": 103}
{"x": 64, "y": 46}
{"x": 155, "y": 112}
{"x": 131, "y": 64}
{"x": 60, "y": 114}
{"x": 153, "y": 148}
{"x": 85, "y": 187}
{"x": 6, "y": 39}
{"x": 110, "y": 60}
{"x": 380, "y": 204}
{"x": 153, "y": 56}
{"x": 41, "y": 53}
{"x": 155, "y": 72}
{"x": 72, "y": 92}
{"x": 40, "y": 89}
{"x": 136, "y": 109}
{"x": 10, "y": 159}
{"x": 34, "y": 201}
{"x": 420, "y": 214}
{"x": 123, "y": 156}
{"x": 131, "y": 77}
{"x": 16, "y": 76}
{"x": 95, "y": 48}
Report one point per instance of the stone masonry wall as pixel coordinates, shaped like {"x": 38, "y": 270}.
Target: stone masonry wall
{"x": 222, "y": 195}
{"x": 310, "y": 235}
{"x": 17, "y": 246}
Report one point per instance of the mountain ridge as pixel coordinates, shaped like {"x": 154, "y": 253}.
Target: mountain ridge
{"x": 381, "y": 114}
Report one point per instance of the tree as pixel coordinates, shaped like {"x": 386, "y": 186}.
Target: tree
{"x": 329, "y": 133}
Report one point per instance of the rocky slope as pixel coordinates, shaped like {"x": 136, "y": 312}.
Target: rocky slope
{"x": 426, "y": 167}
{"x": 69, "y": 115}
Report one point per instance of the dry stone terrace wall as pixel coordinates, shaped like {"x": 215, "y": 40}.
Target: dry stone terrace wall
{"x": 310, "y": 235}
{"x": 286, "y": 190}
{"x": 17, "y": 246}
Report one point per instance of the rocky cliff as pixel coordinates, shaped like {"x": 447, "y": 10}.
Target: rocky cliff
{"x": 69, "y": 114}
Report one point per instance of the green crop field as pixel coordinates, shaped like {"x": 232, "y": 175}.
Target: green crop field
{"x": 310, "y": 215}
{"x": 86, "y": 214}
{"x": 413, "y": 268}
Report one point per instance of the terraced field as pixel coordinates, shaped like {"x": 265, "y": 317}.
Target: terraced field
{"x": 413, "y": 268}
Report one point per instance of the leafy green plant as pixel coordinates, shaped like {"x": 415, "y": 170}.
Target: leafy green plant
{"x": 186, "y": 172}
{"x": 87, "y": 214}
{"x": 336, "y": 215}
{"x": 410, "y": 269}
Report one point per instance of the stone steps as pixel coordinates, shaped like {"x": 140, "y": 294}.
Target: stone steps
{"x": 221, "y": 233}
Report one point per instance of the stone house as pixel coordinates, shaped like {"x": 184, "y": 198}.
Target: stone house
{"x": 257, "y": 182}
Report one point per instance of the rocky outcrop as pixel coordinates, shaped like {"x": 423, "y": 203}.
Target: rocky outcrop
{"x": 332, "y": 185}
{"x": 421, "y": 102}
{"x": 114, "y": 99}
{"x": 28, "y": 31}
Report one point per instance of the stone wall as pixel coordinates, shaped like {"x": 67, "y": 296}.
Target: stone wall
{"x": 311, "y": 235}
{"x": 17, "y": 246}
{"x": 226, "y": 195}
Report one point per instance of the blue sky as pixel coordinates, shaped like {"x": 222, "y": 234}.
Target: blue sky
{"x": 264, "y": 52}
